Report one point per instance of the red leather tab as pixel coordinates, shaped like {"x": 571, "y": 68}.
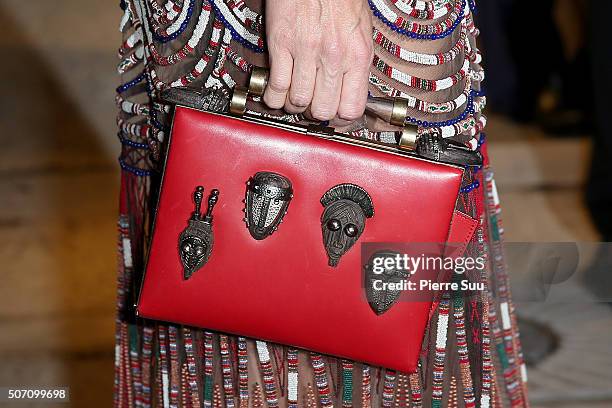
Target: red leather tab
{"x": 462, "y": 230}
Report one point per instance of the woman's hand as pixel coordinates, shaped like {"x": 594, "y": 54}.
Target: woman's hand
{"x": 320, "y": 54}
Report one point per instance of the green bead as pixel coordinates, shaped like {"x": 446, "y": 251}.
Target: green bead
{"x": 133, "y": 337}
{"x": 347, "y": 377}
{"x": 208, "y": 388}
{"x": 494, "y": 227}
{"x": 503, "y": 358}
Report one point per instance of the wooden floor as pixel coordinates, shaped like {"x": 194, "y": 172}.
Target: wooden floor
{"x": 58, "y": 200}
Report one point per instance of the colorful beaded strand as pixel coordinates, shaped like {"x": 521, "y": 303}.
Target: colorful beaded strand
{"x": 403, "y": 392}
{"x": 420, "y": 83}
{"x": 366, "y": 393}
{"x": 131, "y": 41}
{"x": 239, "y": 60}
{"x": 453, "y": 401}
{"x": 135, "y": 365}
{"x": 431, "y": 10}
{"x": 311, "y": 399}
{"x": 163, "y": 362}
{"x": 239, "y": 32}
{"x": 119, "y": 384}
{"x": 217, "y": 399}
{"x": 219, "y": 75}
{"x": 320, "y": 374}
{"x": 208, "y": 370}
{"x": 258, "y": 400}
{"x": 416, "y": 390}
{"x": 267, "y": 373}
{"x": 462, "y": 349}
{"x": 148, "y": 333}
{"x": 191, "y": 367}
{"x": 175, "y": 367}
{"x": 488, "y": 374}
{"x": 419, "y": 31}
{"x": 199, "y": 67}
{"x": 185, "y": 395}
{"x": 440, "y": 353}
{"x": 243, "y": 372}
{"x": 419, "y": 58}
{"x": 226, "y": 368}
{"x": 130, "y": 61}
{"x": 388, "y": 389}
{"x": 292, "y": 378}
{"x": 347, "y": 383}
{"x": 506, "y": 341}
{"x": 190, "y": 45}
{"x": 424, "y": 106}
{"x": 246, "y": 16}
{"x": 177, "y": 27}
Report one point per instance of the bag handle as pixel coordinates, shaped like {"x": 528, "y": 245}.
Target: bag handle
{"x": 393, "y": 111}
{"x": 431, "y": 146}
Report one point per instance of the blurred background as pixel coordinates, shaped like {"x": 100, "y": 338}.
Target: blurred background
{"x": 548, "y": 83}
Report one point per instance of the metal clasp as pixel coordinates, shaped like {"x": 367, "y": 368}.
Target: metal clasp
{"x": 408, "y": 138}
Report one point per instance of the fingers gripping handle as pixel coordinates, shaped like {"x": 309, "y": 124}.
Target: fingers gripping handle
{"x": 393, "y": 111}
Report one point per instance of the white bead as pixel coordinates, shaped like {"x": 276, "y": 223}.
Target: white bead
{"x": 441, "y": 331}
{"x": 505, "y": 314}
{"x": 127, "y": 253}
{"x": 262, "y": 351}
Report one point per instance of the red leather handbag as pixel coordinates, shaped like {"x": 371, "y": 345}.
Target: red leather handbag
{"x": 269, "y": 248}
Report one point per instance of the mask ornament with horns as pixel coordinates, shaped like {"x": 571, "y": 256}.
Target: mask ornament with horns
{"x": 196, "y": 241}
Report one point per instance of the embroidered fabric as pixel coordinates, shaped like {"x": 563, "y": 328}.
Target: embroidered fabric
{"x": 471, "y": 353}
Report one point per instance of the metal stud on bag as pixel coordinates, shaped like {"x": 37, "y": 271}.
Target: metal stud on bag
{"x": 196, "y": 241}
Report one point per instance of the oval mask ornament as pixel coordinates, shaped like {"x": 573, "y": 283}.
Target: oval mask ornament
{"x": 344, "y": 218}
{"x": 377, "y": 278}
{"x": 267, "y": 199}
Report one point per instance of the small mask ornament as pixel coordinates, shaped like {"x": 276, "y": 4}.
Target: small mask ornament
{"x": 267, "y": 198}
{"x": 346, "y": 208}
{"x": 196, "y": 241}
{"x": 379, "y": 296}
{"x": 435, "y": 147}
{"x": 215, "y": 100}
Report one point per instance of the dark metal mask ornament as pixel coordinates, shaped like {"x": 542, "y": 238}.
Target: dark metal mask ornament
{"x": 214, "y": 100}
{"x": 343, "y": 220}
{"x": 196, "y": 241}
{"x": 267, "y": 198}
{"x": 435, "y": 147}
{"x": 381, "y": 300}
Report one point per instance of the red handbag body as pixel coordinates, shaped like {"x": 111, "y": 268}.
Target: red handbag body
{"x": 281, "y": 289}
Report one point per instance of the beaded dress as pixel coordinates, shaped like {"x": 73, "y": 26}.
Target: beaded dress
{"x": 425, "y": 51}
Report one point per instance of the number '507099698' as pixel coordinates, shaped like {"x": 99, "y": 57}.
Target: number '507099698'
{"x": 54, "y": 394}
